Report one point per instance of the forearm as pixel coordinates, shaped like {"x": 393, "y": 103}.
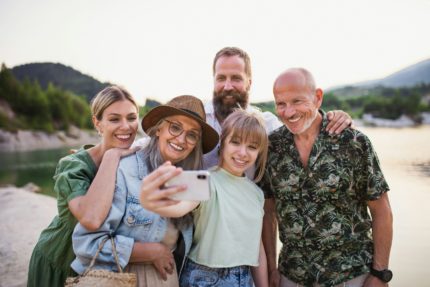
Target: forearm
{"x": 270, "y": 224}
{"x": 259, "y": 273}
{"x": 145, "y": 252}
{"x": 382, "y": 232}
{"x": 92, "y": 208}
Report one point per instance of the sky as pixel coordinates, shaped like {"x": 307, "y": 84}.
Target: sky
{"x": 160, "y": 49}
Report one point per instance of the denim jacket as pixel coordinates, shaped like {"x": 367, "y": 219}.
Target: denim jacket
{"x": 126, "y": 222}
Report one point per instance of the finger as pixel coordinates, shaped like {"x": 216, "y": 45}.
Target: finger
{"x": 338, "y": 119}
{"x": 343, "y": 126}
{"x": 160, "y": 170}
{"x": 169, "y": 269}
{"x": 163, "y": 274}
{"x": 166, "y": 192}
{"x": 330, "y": 116}
{"x": 159, "y": 177}
{"x": 129, "y": 151}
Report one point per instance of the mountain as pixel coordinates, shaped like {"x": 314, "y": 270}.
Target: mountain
{"x": 61, "y": 76}
{"x": 408, "y": 77}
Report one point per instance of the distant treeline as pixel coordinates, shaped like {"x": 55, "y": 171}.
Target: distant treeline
{"x": 388, "y": 103}
{"x": 35, "y": 108}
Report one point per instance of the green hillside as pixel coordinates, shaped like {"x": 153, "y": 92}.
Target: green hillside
{"x": 61, "y": 76}
{"x": 48, "y": 97}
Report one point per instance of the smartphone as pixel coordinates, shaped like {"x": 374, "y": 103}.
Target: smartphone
{"x": 197, "y": 182}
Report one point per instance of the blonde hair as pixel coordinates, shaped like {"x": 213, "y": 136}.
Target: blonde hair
{"x": 107, "y": 97}
{"x": 249, "y": 127}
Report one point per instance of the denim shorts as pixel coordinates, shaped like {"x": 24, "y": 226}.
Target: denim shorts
{"x": 196, "y": 275}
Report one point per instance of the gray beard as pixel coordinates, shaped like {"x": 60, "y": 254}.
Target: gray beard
{"x": 222, "y": 110}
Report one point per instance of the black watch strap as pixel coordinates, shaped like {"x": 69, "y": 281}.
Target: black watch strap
{"x": 384, "y": 275}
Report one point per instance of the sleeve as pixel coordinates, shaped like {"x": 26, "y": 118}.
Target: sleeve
{"x": 266, "y": 184}
{"x": 86, "y": 243}
{"x": 272, "y": 122}
{"x": 374, "y": 182}
{"x": 72, "y": 178}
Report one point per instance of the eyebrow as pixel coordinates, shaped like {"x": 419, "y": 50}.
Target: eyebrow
{"x": 116, "y": 114}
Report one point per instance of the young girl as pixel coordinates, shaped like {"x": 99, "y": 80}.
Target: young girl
{"x": 227, "y": 245}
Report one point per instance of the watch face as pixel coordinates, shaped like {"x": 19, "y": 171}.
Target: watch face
{"x": 387, "y": 275}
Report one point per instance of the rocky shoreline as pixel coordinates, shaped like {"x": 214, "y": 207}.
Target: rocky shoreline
{"x": 25, "y": 215}
{"x": 24, "y": 140}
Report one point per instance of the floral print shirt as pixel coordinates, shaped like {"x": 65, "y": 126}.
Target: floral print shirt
{"x": 324, "y": 224}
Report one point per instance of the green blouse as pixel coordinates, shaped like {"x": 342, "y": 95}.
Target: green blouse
{"x": 53, "y": 253}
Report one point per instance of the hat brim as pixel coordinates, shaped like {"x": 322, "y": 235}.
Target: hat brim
{"x": 210, "y": 136}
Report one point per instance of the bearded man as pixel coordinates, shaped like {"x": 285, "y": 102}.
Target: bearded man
{"x": 232, "y": 83}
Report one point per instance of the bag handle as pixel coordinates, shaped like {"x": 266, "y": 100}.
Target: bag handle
{"x": 97, "y": 254}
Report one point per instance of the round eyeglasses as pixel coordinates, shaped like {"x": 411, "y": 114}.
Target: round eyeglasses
{"x": 176, "y": 129}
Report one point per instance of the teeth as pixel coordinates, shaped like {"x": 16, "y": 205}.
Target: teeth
{"x": 294, "y": 120}
{"x": 179, "y": 148}
{"x": 123, "y": 137}
{"x": 239, "y": 161}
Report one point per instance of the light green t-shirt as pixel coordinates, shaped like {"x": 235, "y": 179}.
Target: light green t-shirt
{"x": 228, "y": 226}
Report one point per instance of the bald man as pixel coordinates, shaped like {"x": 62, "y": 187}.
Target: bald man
{"x": 318, "y": 188}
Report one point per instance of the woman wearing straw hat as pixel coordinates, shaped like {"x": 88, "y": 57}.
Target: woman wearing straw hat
{"x": 180, "y": 136}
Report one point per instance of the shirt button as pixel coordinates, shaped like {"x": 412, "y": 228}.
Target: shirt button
{"x": 131, "y": 219}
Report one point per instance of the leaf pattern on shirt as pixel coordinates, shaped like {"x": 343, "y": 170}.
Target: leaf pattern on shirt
{"x": 322, "y": 213}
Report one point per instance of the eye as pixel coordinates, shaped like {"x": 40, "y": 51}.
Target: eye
{"x": 235, "y": 141}
{"x": 253, "y": 147}
{"x": 113, "y": 120}
{"x": 193, "y": 137}
{"x": 236, "y": 78}
{"x": 131, "y": 118}
{"x": 175, "y": 128}
{"x": 220, "y": 78}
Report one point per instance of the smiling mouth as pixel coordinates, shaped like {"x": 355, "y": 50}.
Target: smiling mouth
{"x": 294, "y": 120}
{"x": 176, "y": 147}
{"x": 240, "y": 162}
{"x": 123, "y": 137}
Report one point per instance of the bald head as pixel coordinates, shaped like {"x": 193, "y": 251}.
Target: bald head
{"x": 297, "y": 100}
{"x": 294, "y": 78}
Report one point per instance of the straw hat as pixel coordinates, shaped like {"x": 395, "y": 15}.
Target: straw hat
{"x": 189, "y": 106}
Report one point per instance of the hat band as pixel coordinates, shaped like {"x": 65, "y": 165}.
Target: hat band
{"x": 191, "y": 112}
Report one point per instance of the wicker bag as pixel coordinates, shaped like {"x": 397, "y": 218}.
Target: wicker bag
{"x": 105, "y": 278}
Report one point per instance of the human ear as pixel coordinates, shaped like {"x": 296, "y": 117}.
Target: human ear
{"x": 96, "y": 124}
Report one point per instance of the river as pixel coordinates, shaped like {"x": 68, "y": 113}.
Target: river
{"x": 405, "y": 159}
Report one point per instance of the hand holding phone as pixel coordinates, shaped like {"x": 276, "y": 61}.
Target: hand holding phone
{"x": 197, "y": 182}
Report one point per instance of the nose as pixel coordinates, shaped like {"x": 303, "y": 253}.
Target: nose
{"x": 242, "y": 150}
{"x": 124, "y": 124}
{"x": 228, "y": 86}
{"x": 289, "y": 110}
{"x": 181, "y": 137}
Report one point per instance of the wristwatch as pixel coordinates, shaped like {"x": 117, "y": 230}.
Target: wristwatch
{"x": 384, "y": 275}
